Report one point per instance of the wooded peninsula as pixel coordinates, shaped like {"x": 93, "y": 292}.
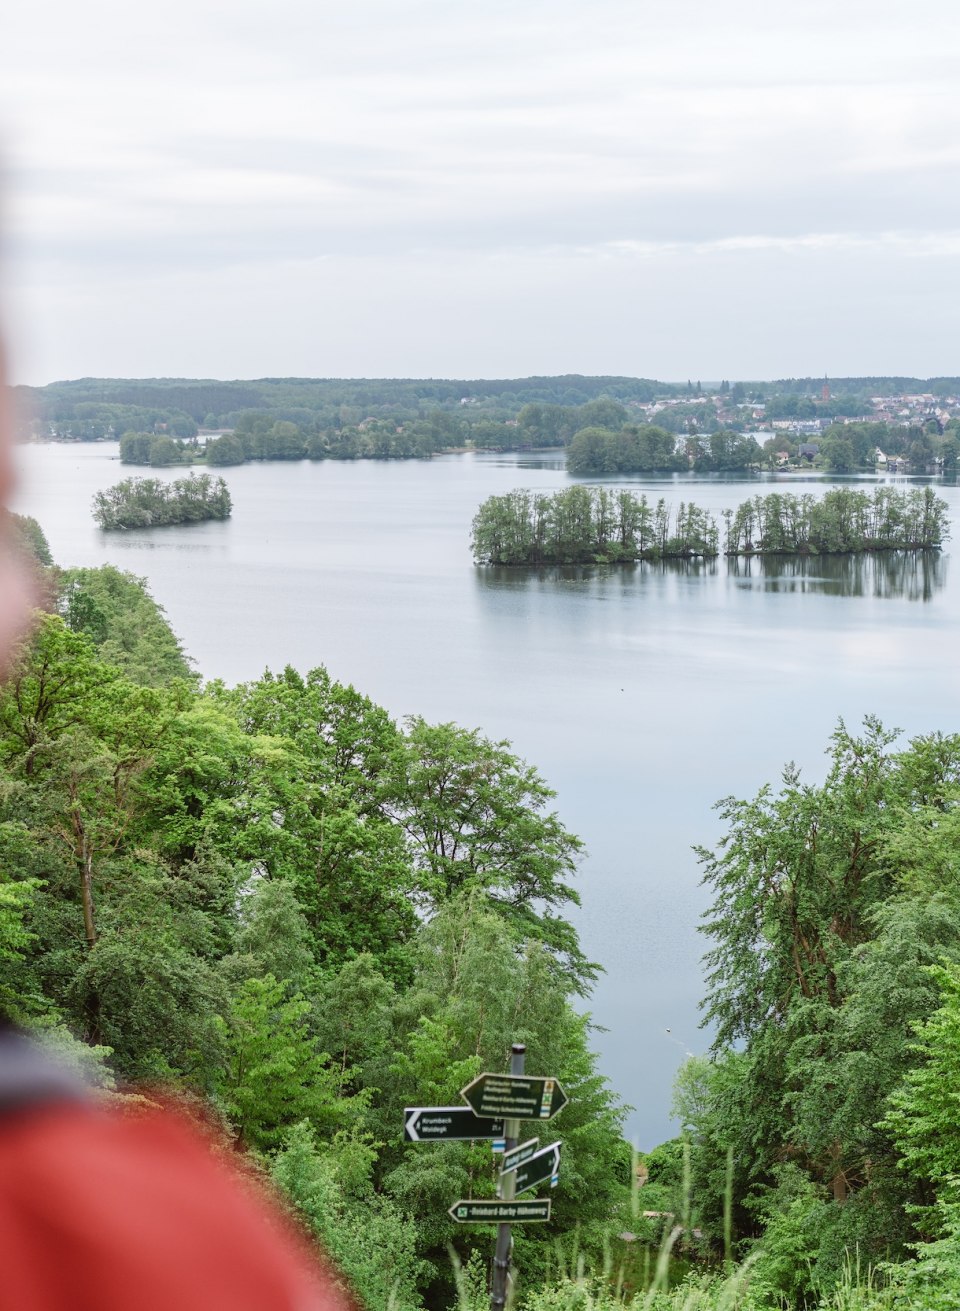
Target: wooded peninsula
{"x": 152, "y": 503}
{"x": 594, "y": 525}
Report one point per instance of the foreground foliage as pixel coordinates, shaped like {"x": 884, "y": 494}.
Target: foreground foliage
{"x": 826, "y": 1114}
{"x": 275, "y": 898}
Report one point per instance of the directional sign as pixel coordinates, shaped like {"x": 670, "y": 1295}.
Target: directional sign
{"x": 531, "y": 1210}
{"x": 514, "y": 1096}
{"x": 517, "y": 1155}
{"x": 536, "y": 1169}
{"x": 431, "y": 1124}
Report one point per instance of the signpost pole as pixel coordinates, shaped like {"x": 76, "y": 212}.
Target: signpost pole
{"x": 501, "y": 1256}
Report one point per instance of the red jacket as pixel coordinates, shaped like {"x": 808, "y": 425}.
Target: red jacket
{"x": 101, "y": 1211}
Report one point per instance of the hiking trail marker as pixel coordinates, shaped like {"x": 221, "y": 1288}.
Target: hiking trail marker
{"x": 534, "y": 1169}
{"x": 514, "y": 1096}
{"x": 496, "y": 1104}
{"x": 486, "y": 1211}
{"x": 434, "y": 1124}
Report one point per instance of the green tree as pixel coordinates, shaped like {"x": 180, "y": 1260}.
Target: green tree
{"x": 135, "y": 447}
{"x": 224, "y": 450}
{"x": 476, "y": 819}
{"x": 164, "y": 451}
{"x": 130, "y": 630}
{"x": 373, "y": 1243}
{"x": 274, "y": 1075}
{"x": 922, "y": 1114}
{"x": 313, "y": 811}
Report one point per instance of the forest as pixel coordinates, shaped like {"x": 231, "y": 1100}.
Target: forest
{"x": 276, "y": 899}
{"x": 304, "y": 916}
{"x": 151, "y": 503}
{"x": 609, "y": 424}
{"x": 594, "y": 525}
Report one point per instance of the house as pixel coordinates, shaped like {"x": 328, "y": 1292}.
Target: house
{"x": 808, "y": 451}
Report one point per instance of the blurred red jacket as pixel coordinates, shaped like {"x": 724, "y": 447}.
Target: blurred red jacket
{"x": 104, "y": 1211}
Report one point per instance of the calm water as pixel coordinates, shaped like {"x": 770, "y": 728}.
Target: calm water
{"x": 643, "y": 694}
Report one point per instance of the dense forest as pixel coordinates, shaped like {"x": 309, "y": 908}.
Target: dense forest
{"x": 275, "y": 898}
{"x": 594, "y": 525}
{"x": 150, "y": 503}
{"x": 304, "y": 916}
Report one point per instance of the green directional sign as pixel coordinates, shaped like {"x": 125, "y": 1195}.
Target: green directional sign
{"x": 529, "y": 1211}
{"x": 537, "y": 1169}
{"x": 423, "y": 1124}
{"x": 517, "y": 1155}
{"x": 514, "y": 1096}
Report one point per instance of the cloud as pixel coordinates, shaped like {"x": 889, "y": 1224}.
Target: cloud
{"x": 213, "y": 140}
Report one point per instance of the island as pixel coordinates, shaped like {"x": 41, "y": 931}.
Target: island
{"x": 155, "y": 503}
{"x": 598, "y": 525}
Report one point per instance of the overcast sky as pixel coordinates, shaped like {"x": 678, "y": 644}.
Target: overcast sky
{"x": 666, "y": 188}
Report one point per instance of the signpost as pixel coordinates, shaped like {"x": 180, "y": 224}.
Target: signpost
{"x": 514, "y": 1096}
{"x": 518, "y": 1155}
{"x": 536, "y": 1169}
{"x": 528, "y": 1211}
{"x": 495, "y": 1106}
{"x": 430, "y": 1124}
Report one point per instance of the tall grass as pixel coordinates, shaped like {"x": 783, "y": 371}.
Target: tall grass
{"x": 607, "y": 1285}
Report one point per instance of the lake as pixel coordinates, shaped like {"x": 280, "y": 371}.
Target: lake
{"x": 642, "y": 693}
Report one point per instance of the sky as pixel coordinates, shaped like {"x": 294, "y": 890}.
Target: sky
{"x": 674, "y": 189}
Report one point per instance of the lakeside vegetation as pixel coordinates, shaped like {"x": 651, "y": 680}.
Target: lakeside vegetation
{"x": 151, "y": 503}
{"x": 306, "y": 916}
{"x": 652, "y": 449}
{"x": 594, "y": 525}
{"x": 610, "y": 424}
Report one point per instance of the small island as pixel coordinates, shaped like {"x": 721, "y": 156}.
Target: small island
{"x": 597, "y": 525}
{"x": 154, "y": 503}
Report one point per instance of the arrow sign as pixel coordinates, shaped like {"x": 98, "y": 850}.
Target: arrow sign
{"x": 529, "y": 1211}
{"x": 517, "y": 1155}
{"x": 514, "y": 1096}
{"x": 431, "y": 1124}
{"x": 536, "y": 1169}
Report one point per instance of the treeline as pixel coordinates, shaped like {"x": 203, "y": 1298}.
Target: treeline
{"x": 652, "y": 449}
{"x": 281, "y": 902}
{"x": 820, "y": 1139}
{"x": 156, "y": 449}
{"x": 257, "y": 437}
{"x": 588, "y": 525}
{"x": 842, "y": 520}
{"x": 594, "y": 525}
{"x": 151, "y": 503}
{"x": 95, "y": 408}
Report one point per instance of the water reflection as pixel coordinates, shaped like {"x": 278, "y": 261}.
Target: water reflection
{"x": 910, "y": 575}
{"x": 501, "y": 577}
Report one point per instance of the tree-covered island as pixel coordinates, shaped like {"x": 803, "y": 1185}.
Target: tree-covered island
{"x": 153, "y": 503}
{"x": 595, "y": 525}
